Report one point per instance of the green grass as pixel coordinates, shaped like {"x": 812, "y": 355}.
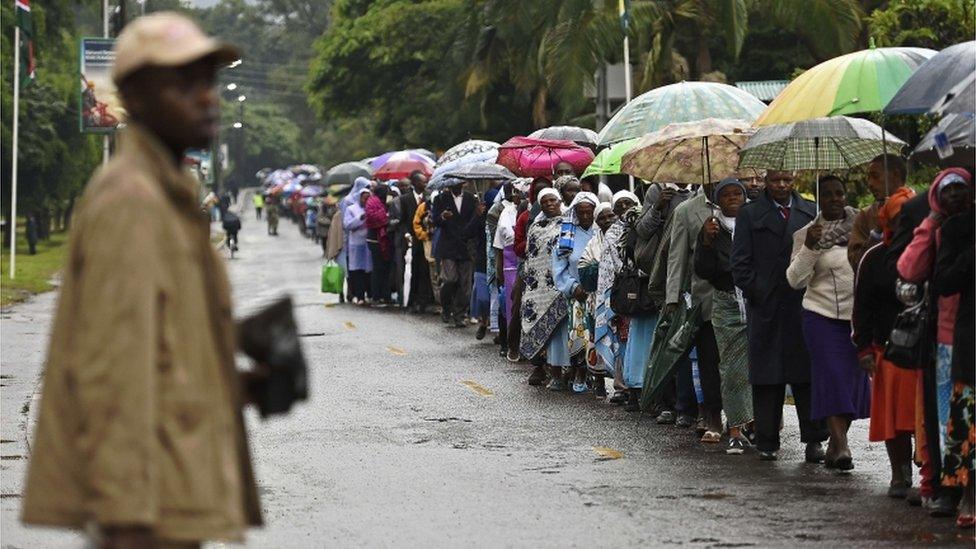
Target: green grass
{"x": 34, "y": 272}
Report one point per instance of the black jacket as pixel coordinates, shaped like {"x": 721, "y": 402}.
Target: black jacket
{"x": 456, "y": 233}
{"x": 761, "y": 252}
{"x": 954, "y": 274}
{"x": 875, "y": 302}
{"x": 712, "y": 262}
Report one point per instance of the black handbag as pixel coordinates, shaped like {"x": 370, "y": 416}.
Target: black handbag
{"x": 910, "y": 344}
{"x": 630, "y": 295}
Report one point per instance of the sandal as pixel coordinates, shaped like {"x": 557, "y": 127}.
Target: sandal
{"x": 619, "y": 397}
{"x": 711, "y": 437}
{"x": 965, "y": 521}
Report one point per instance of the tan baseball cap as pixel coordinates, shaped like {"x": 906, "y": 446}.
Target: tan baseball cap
{"x": 165, "y": 39}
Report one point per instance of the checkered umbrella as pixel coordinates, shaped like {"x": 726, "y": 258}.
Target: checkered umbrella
{"x": 834, "y": 143}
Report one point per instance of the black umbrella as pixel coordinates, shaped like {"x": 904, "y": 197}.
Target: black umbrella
{"x": 346, "y": 173}
{"x": 580, "y": 136}
{"x": 928, "y": 86}
{"x": 482, "y": 171}
{"x": 960, "y": 133}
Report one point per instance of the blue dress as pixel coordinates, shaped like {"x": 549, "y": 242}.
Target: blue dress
{"x": 565, "y": 271}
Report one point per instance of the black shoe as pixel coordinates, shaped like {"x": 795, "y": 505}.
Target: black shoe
{"x": 599, "y": 388}
{"x": 767, "y": 456}
{"x": 844, "y": 464}
{"x": 942, "y": 506}
{"x": 684, "y": 421}
{"x": 460, "y": 322}
{"x": 538, "y": 376}
{"x": 913, "y": 497}
{"x": 898, "y": 490}
{"x": 815, "y": 454}
{"x": 446, "y": 316}
{"x": 633, "y": 400}
{"x": 482, "y": 332}
{"x": 619, "y": 397}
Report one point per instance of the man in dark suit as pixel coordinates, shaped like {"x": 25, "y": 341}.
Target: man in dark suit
{"x": 421, "y": 293}
{"x": 456, "y": 214}
{"x": 778, "y": 355}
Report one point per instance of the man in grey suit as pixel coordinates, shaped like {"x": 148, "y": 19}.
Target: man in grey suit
{"x": 761, "y": 249}
{"x": 689, "y": 217}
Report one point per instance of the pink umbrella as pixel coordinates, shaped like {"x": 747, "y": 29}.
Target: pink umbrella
{"x": 402, "y": 164}
{"x": 528, "y": 157}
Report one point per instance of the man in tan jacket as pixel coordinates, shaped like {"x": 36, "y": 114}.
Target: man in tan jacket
{"x": 140, "y": 437}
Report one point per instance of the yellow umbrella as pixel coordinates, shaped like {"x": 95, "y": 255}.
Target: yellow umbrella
{"x": 863, "y": 81}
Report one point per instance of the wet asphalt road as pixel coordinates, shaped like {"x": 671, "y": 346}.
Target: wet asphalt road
{"x": 416, "y": 435}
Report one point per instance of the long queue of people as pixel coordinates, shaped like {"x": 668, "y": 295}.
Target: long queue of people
{"x": 708, "y": 307}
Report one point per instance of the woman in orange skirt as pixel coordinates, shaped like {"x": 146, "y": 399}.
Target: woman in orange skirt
{"x": 893, "y": 389}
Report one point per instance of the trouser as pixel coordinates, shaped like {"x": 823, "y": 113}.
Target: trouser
{"x": 933, "y": 447}
{"x": 358, "y": 280}
{"x": 398, "y": 273}
{"x": 767, "y": 407}
{"x": 457, "y": 275}
{"x": 257, "y": 211}
{"x": 679, "y": 391}
{"x": 421, "y": 294}
{"x": 515, "y": 323}
{"x": 708, "y": 372}
{"x": 380, "y": 277}
{"x": 231, "y": 239}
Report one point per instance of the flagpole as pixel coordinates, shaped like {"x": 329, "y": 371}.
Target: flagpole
{"x": 627, "y": 85}
{"x": 105, "y": 142}
{"x": 13, "y": 163}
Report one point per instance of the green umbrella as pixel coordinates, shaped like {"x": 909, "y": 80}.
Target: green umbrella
{"x": 608, "y": 161}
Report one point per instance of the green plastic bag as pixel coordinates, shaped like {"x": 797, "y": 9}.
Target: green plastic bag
{"x": 672, "y": 338}
{"x": 332, "y": 278}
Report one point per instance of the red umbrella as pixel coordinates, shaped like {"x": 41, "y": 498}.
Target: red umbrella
{"x": 401, "y": 164}
{"x": 528, "y": 157}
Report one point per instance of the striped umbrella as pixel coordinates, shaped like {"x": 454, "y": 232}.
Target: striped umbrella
{"x": 682, "y": 102}
{"x": 863, "y": 81}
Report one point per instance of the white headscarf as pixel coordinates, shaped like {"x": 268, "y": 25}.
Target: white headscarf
{"x": 544, "y": 193}
{"x": 624, "y": 194}
{"x": 583, "y": 196}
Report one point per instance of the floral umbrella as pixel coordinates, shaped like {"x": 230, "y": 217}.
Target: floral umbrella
{"x": 681, "y": 102}
{"x": 528, "y": 157}
{"x": 689, "y": 152}
{"x": 462, "y": 154}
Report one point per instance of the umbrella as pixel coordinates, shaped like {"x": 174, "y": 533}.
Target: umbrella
{"x": 927, "y": 87}
{"x": 346, "y": 173}
{"x": 339, "y": 189}
{"x": 402, "y": 164}
{"x": 291, "y": 187}
{"x": 607, "y": 162}
{"x": 961, "y": 98}
{"x": 960, "y": 134}
{"x": 529, "y": 157}
{"x": 468, "y": 152}
{"x": 863, "y": 81}
{"x": 682, "y": 102}
{"x": 426, "y": 153}
{"x": 580, "y": 136}
{"x": 313, "y": 190}
{"x": 444, "y": 182}
{"x": 688, "y": 152}
{"x": 837, "y": 142}
{"x": 482, "y": 171}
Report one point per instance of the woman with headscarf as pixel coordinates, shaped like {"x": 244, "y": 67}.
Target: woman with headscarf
{"x": 567, "y": 348}
{"x": 893, "y": 388}
{"x": 945, "y": 236}
{"x": 526, "y": 213}
{"x": 840, "y": 392}
{"x": 728, "y": 309}
{"x": 543, "y": 307}
{"x": 357, "y": 250}
{"x": 610, "y": 330}
{"x": 589, "y": 276}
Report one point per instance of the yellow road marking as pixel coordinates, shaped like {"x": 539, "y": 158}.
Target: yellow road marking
{"x": 330, "y": 305}
{"x": 349, "y": 326}
{"x": 396, "y": 351}
{"x": 478, "y": 388}
{"x": 607, "y": 454}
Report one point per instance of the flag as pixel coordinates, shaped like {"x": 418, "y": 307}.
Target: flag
{"x": 26, "y": 25}
{"x": 624, "y": 6}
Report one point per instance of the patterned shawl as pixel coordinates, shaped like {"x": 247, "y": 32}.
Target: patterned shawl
{"x": 543, "y": 306}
